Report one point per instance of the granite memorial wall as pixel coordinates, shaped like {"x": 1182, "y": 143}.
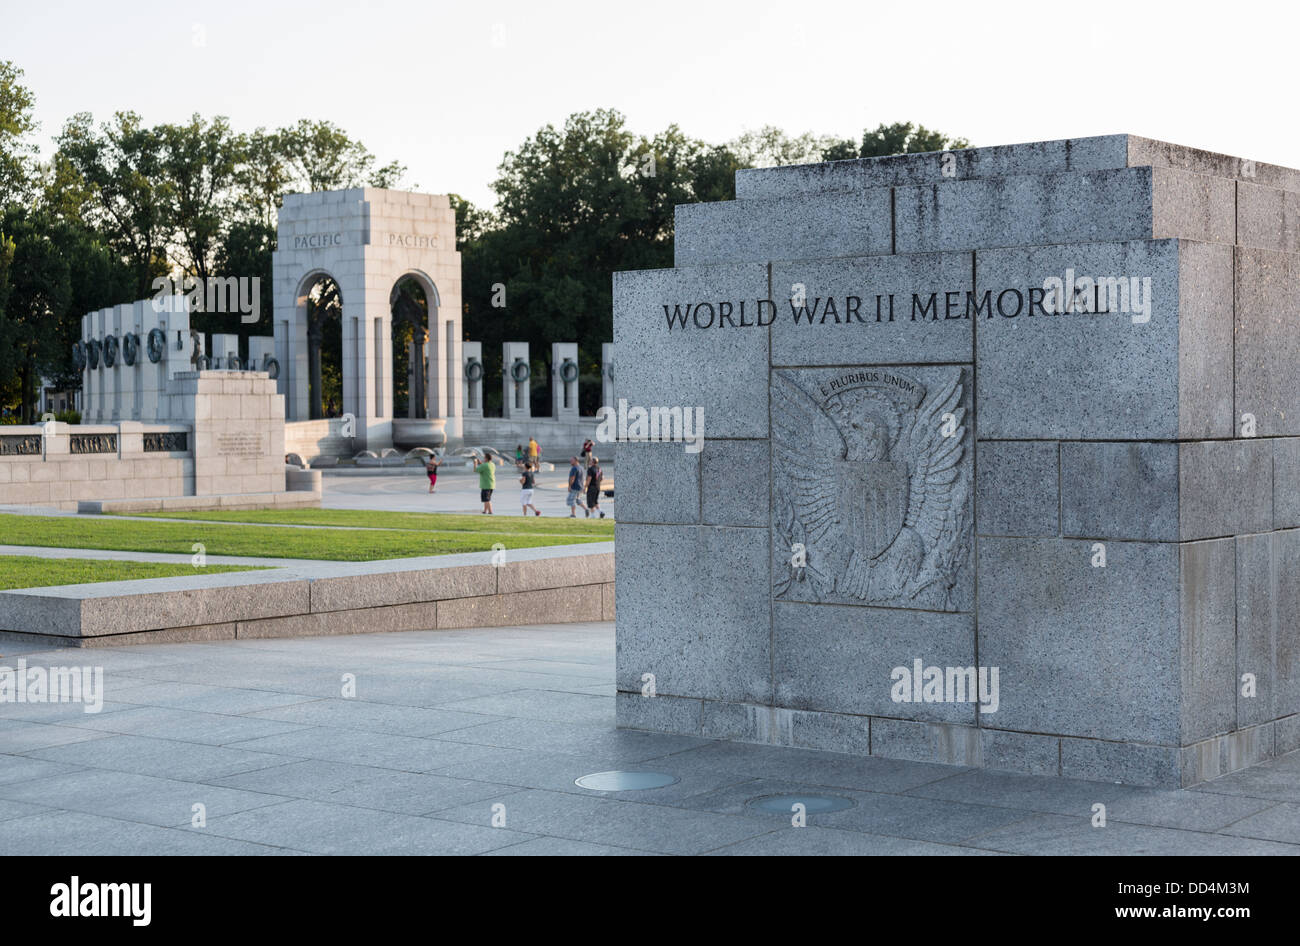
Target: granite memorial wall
{"x": 1000, "y": 463}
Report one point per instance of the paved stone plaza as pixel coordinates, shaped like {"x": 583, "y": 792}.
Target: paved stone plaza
{"x": 446, "y": 725}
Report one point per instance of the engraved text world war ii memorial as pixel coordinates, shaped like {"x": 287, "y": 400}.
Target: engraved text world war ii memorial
{"x": 1000, "y": 464}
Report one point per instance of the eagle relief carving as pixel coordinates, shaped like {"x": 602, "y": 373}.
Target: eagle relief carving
{"x": 871, "y": 486}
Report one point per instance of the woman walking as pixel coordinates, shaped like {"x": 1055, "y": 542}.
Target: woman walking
{"x": 593, "y": 488}
{"x": 431, "y": 468}
{"x": 527, "y": 482}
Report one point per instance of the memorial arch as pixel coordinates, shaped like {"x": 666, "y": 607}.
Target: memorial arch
{"x": 370, "y": 241}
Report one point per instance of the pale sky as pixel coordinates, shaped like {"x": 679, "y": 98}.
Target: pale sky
{"x": 447, "y": 88}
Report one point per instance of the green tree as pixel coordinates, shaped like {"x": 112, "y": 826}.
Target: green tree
{"x": 122, "y": 165}
{"x": 322, "y": 157}
{"x": 38, "y": 295}
{"x": 769, "y": 146}
{"x": 199, "y": 165}
{"x": 57, "y": 272}
{"x": 244, "y": 252}
{"x": 906, "y": 138}
{"x": 17, "y": 152}
{"x": 262, "y": 177}
{"x": 471, "y": 221}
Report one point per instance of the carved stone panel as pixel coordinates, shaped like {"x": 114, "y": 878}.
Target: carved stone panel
{"x": 92, "y": 443}
{"x": 872, "y": 472}
{"x": 166, "y": 441}
{"x": 20, "y": 445}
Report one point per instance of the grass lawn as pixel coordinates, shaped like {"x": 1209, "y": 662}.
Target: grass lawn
{"x": 427, "y": 534}
{"x": 418, "y": 521}
{"x": 29, "y": 571}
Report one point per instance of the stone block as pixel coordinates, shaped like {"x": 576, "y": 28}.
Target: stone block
{"x": 813, "y": 227}
{"x": 1146, "y": 151}
{"x": 1017, "y": 488}
{"x": 832, "y": 732}
{"x": 733, "y": 721}
{"x": 1208, "y": 646}
{"x": 1268, "y": 218}
{"x": 400, "y": 586}
{"x": 377, "y": 620}
{"x": 1122, "y": 375}
{"x": 1083, "y": 650}
{"x": 1268, "y": 625}
{"x": 670, "y": 714}
{"x": 1086, "y": 207}
{"x": 1286, "y": 735}
{"x": 694, "y": 367}
{"x": 1220, "y": 755}
{"x": 946, "y": 744}
{"x": 1037, "y": 157}
{"x": 841, "y": 659}
{"x": 607, "y": 609}
{"x": 551, "y": 606}
{"x": 1121, "y": 204}
{"x": 1206, "y": 362}
{"x": 1020, "y": 752}
{"x": 873, "y": 310}
{"x": 1225, "y": 487}
{"x": 1100, "y": 761}
{"x": 564, "y": 567}
{"x": 735, "y": 483}
{"x": 1192, "y": 206}
{"x": 658, "y": 482}
{"x": 697, "y": 620}
{"x": 1286, "y": 482}
{"x": 1120, "y": 491}
{"x": 1267, "y": 340}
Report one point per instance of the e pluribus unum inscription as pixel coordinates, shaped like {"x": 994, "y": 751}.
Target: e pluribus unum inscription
{"x": 872, "y": 471}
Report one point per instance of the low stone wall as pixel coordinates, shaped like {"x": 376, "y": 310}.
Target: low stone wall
{"x": 318, "y": 438}
{"x": 94, "y": 462}
{"x": 531, "y": 586}
{"x": 295, "y": 499}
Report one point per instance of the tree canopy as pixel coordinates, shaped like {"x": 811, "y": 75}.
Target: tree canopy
{"x": 122, "y": 202}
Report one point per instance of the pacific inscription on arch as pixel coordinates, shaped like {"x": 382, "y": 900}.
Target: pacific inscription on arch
{"x": 871, "y": 491}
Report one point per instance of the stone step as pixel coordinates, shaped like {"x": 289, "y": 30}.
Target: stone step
{"x": 1138, "y": 203}
{"x": 1099, "y": 153}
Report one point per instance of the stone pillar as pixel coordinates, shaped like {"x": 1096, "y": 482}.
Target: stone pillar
{"x": 222, "y": 347}
{"x": 237, "y": 418}
{"x": 89, "y": 391}
{"x": 454, "y": 357}
{"x": 564, "y": 393}
{"x": 515, "y": 394}
{"x": 178, "y": 352}
{"x": 472, "y": 387}
{"x": 260, "y": 348}
{"x": 607, "y": 374}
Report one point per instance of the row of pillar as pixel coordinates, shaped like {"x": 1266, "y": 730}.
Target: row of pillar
{"x": 516, "y": 369}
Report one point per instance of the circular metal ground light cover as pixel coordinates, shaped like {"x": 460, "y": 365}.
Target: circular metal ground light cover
{"x": 622, "y": 781}
{"x": 813, "y": 804}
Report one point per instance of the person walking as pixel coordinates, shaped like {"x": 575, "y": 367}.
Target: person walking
{"x": 587, "y": 449}
{"x": 527, "y": 483}
{"x": 594, "y": 475}
{"x": 431, "y": 467}
{"x": 574, "y": 499}
{"x": 487, "y": 482}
